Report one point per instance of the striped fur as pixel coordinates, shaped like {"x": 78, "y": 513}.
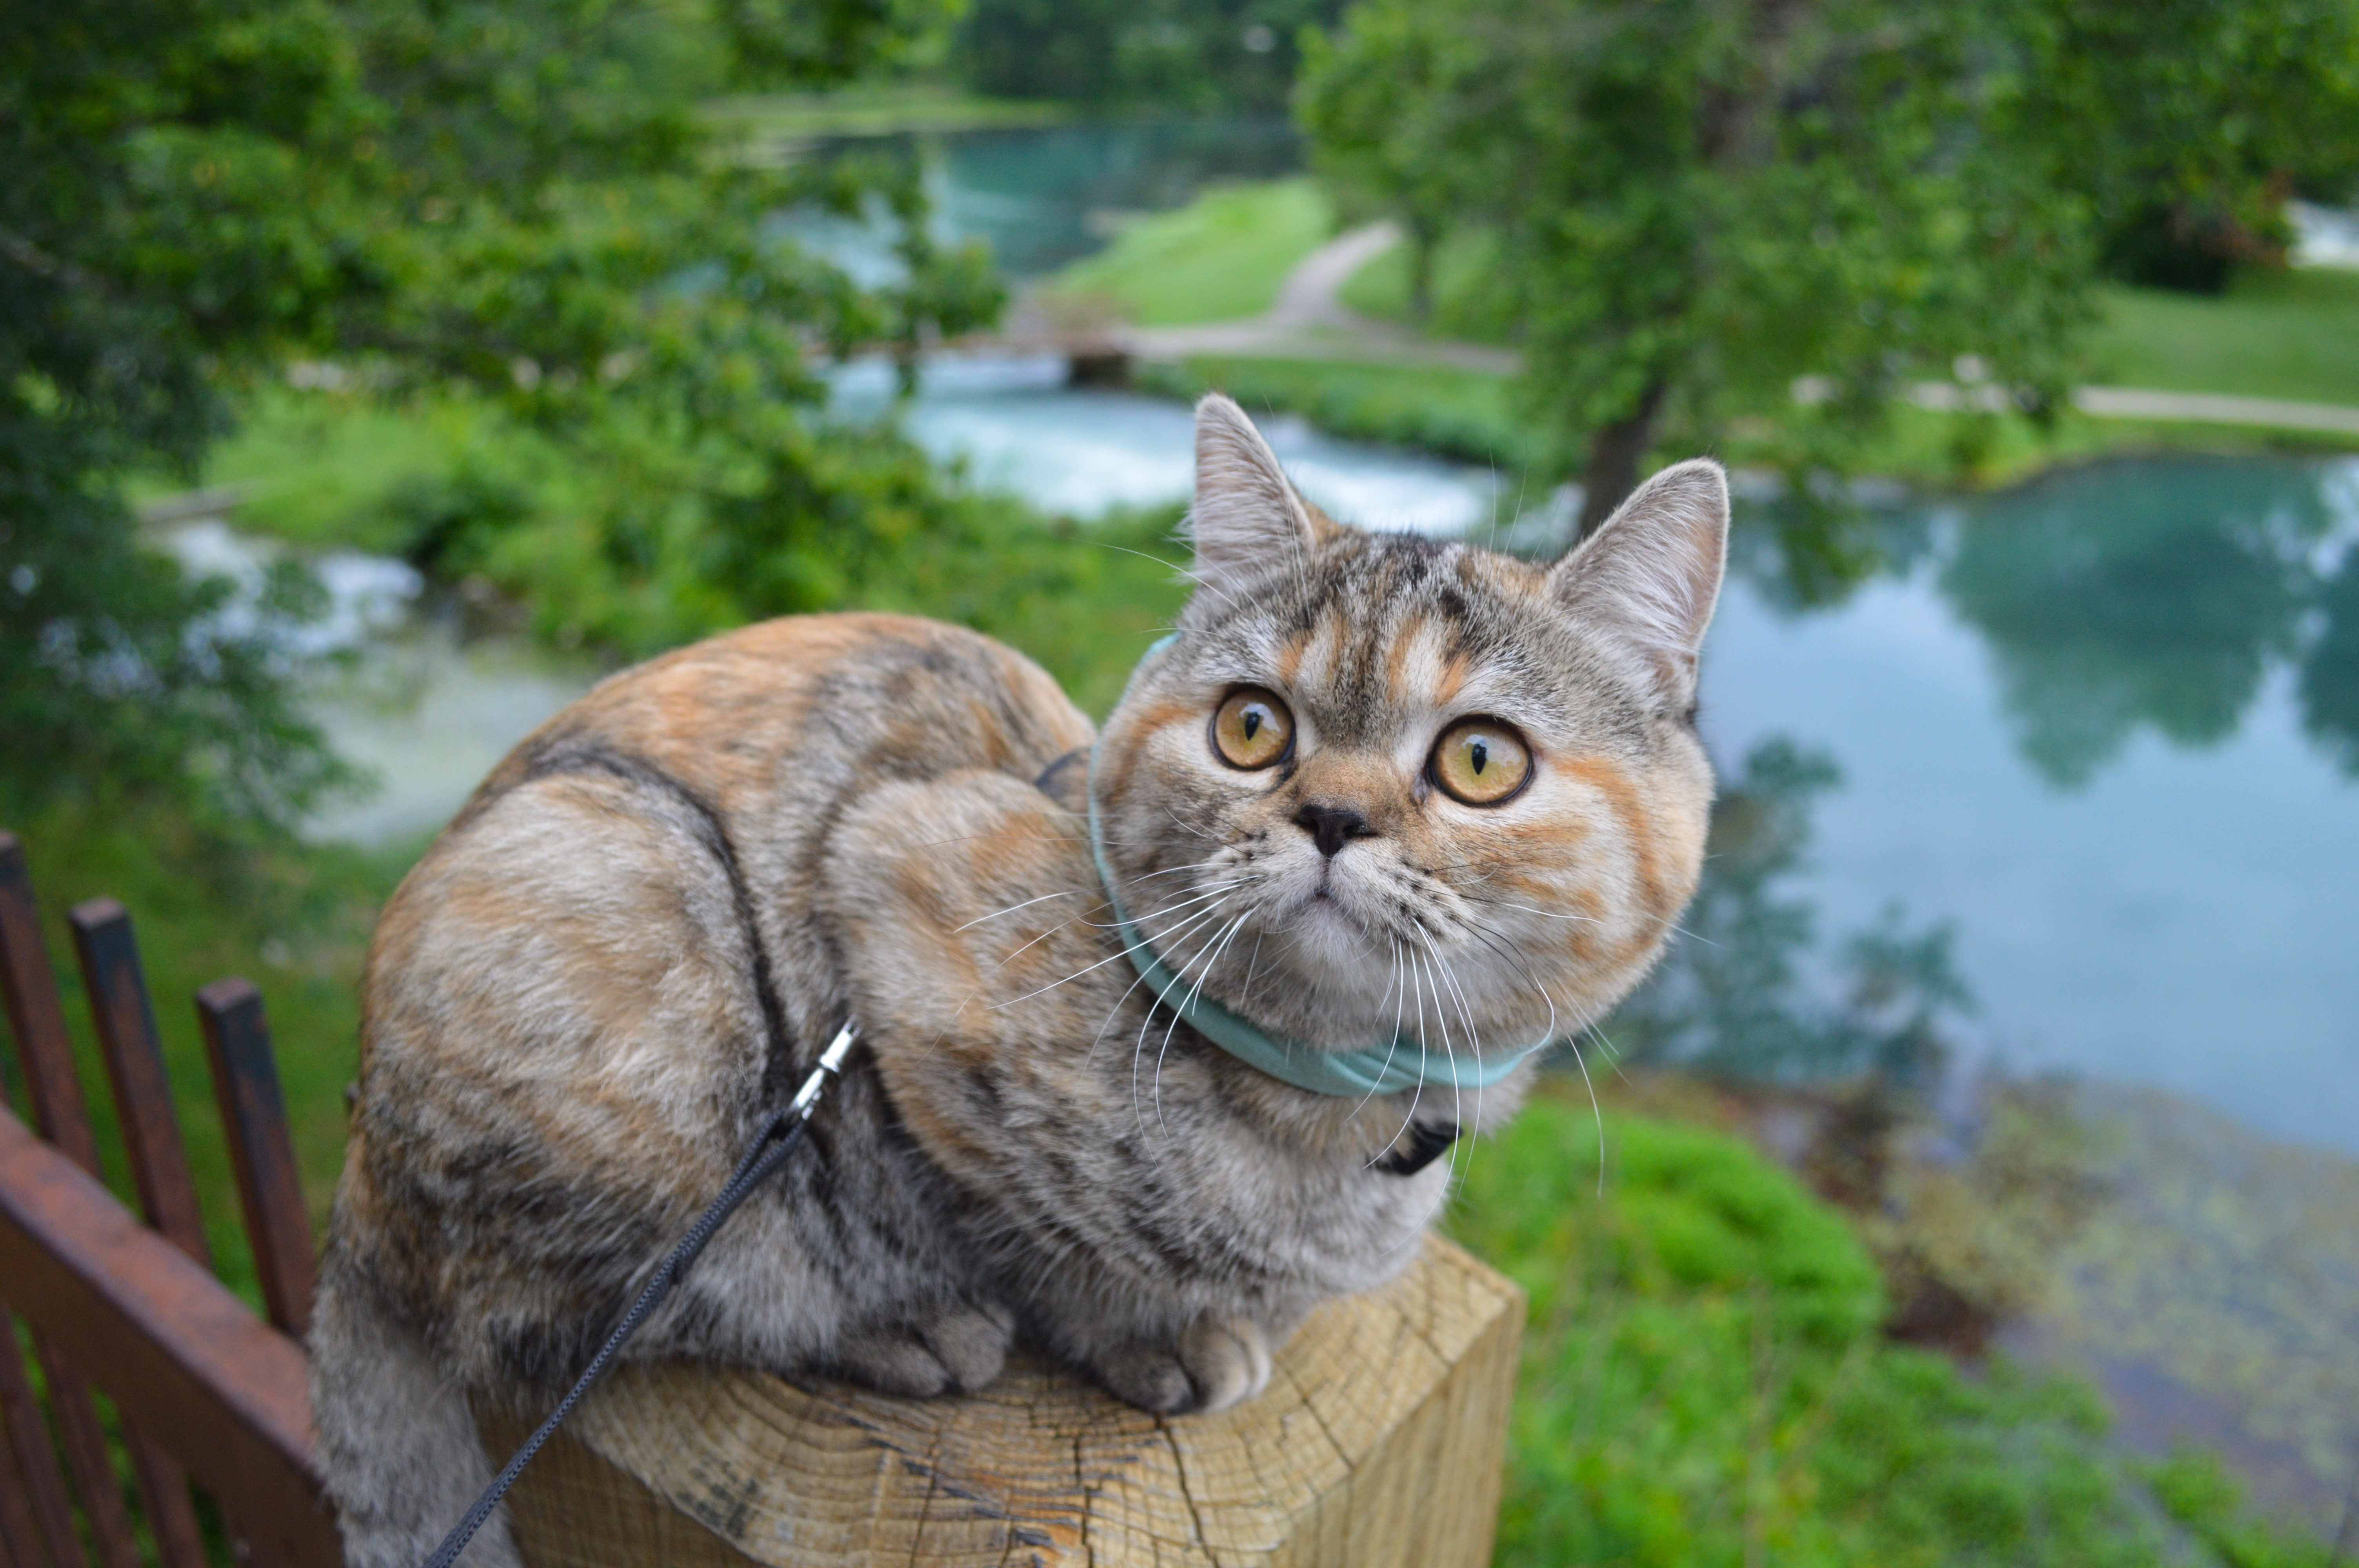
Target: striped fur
{"x": 630, "y": 945}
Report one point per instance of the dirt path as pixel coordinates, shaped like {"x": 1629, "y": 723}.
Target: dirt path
{"x": 1309, "y": 321}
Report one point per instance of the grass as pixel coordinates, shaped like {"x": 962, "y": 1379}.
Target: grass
{"x": 1219, "y": 258}
{"x": 1463, "y": 413}
{"x": 2290, "y": 335}
{"x": 328, "y": 469}
{"x": 878, "y": 109}
{"x": 1703, "y": 1383}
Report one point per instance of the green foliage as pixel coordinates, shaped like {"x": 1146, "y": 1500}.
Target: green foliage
{"x": 2187, "y": 123}
{"x": 1167, "y": 54}
{"x": 1465, "y": 300}
{"x": 1385, "y": 127}
{"x": 1703, "y": 1383}
{"x": 162, "y": 212}
{"x": 512, "y": 208}
{"x": 1698, "y": 203}
{"x": 1221, "y": 257}
{"x": 2197, "y": 1492}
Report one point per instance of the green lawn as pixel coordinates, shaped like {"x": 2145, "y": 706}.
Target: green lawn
{"x": 875, "y": 110}
{"x": 1221, "y": 257}
{"x": 1469, "y": 414}
{"x": 2284, "y": 334}
{"x": 332, "y": 468}
{"x": 2292, "y": 334}
{"x": 1465, "y": 306}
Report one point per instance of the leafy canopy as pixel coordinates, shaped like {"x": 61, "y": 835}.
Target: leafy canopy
{"x": 516, "y": 205}
{"x": 1696, "y": 204}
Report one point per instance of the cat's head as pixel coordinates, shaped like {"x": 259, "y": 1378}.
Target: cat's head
{"x": 1382, "y": 780}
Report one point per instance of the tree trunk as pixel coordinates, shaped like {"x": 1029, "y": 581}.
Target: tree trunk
{"x": 1615, "y": 453}
{"x": 1423, "y": 240}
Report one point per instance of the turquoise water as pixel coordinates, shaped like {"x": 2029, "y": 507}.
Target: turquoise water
{"x": 2104, "y": 727}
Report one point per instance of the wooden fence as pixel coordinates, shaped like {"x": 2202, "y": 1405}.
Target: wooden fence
{"x": 125, "y": 1305}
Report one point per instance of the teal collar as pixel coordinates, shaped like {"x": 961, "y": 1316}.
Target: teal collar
{"x": 1387, "y": 1068}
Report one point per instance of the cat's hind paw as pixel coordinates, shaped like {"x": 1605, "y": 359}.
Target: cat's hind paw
{"x": 1217, "y": 1362}
{"x": 957, "y": 1351}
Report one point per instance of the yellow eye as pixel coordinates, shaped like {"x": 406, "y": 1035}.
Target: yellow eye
{"x": 1252, "y": 728}
{"x": 1480, "y": 761}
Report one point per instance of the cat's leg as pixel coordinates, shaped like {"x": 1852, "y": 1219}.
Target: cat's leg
{"x": 398, "y": 1440}
{"x": 956, "y": 1349}
{"x": 1218, "y": 1361}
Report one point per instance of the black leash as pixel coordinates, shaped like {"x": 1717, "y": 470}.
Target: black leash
{"x": 771, "y": 1146}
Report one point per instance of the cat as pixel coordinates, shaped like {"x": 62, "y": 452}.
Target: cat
{"x": 1378, "y": 790}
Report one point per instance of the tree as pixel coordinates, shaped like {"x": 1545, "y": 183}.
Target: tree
{"x": 1192, "y": 55}
{"x": 1700, "y": 201}
{"x": 2188, "y": 122}
{"x": 163, "y": 218}
{"x": 1377, "y": 111}
{"x": 513, "y": 204}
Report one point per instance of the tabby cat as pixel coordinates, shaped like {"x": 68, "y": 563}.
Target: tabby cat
{"x": 1381, "y": 798}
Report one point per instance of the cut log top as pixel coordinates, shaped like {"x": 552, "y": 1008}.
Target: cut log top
{"x": 1379, "y": 1442}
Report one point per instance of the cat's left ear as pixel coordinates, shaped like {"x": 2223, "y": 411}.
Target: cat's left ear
{"x": 1246, "y": 520}
{"x": 1650, "y": 574}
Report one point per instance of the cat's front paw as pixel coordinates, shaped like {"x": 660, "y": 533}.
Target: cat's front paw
{"x": 1217, "y": 1361}
{"x": 958, "y": 1351}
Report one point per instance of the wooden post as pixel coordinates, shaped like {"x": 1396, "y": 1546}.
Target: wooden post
{"x": 1378, "y": 1444}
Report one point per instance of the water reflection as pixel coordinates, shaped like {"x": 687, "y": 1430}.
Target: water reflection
{"x": 2160, "y": 595}
{"x": 1741, "y": 991}
{"x": 2330, "y": 673}
{"x": 1041, "y": 196}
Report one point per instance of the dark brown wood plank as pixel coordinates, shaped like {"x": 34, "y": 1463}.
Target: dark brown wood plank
{"x": 43, "y": 1049}
{"x": 44, "y": 1053}
{"x": 254, "y": 1115}
{"x": 29, "y": 1470}
{"x": 178, "y": 1354}
{"x": 126, "y": 1022}
{"x": 109, "y": 956}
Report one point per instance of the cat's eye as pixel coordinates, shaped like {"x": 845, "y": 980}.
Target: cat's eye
{"x": 1480, "y": 761}
{"x": 1252, "y": 728}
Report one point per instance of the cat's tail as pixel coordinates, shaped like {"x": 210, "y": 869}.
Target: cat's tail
{"x": 397, "y": 1446}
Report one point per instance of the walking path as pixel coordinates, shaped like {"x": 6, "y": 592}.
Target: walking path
{"x": 1309, "y": 322}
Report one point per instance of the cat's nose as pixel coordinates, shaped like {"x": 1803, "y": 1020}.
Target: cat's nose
{"x": 1331, "y": 826}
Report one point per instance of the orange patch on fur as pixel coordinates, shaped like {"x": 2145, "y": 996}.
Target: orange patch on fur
{"x": 1622, "y": 796}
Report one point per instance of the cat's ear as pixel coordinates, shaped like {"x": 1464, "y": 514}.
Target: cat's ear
{"x": 1651, "y": 574}
{"x": 1246, "y": 519}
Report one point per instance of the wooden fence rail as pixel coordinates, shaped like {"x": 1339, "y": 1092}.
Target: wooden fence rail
{"x": 127, "y": 1304}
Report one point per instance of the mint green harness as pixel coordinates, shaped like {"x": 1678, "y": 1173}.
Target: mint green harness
{"x": 1359, "y": 1072}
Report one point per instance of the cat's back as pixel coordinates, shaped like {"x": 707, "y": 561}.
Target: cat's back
{"x": 618, "y": 936}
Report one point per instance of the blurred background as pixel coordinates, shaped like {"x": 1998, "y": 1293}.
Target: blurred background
{"x": 1979, "y": 1177}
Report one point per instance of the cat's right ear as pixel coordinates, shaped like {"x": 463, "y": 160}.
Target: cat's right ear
{"x": 1246, "y": 519}
{"x": 1650, "y": 574}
